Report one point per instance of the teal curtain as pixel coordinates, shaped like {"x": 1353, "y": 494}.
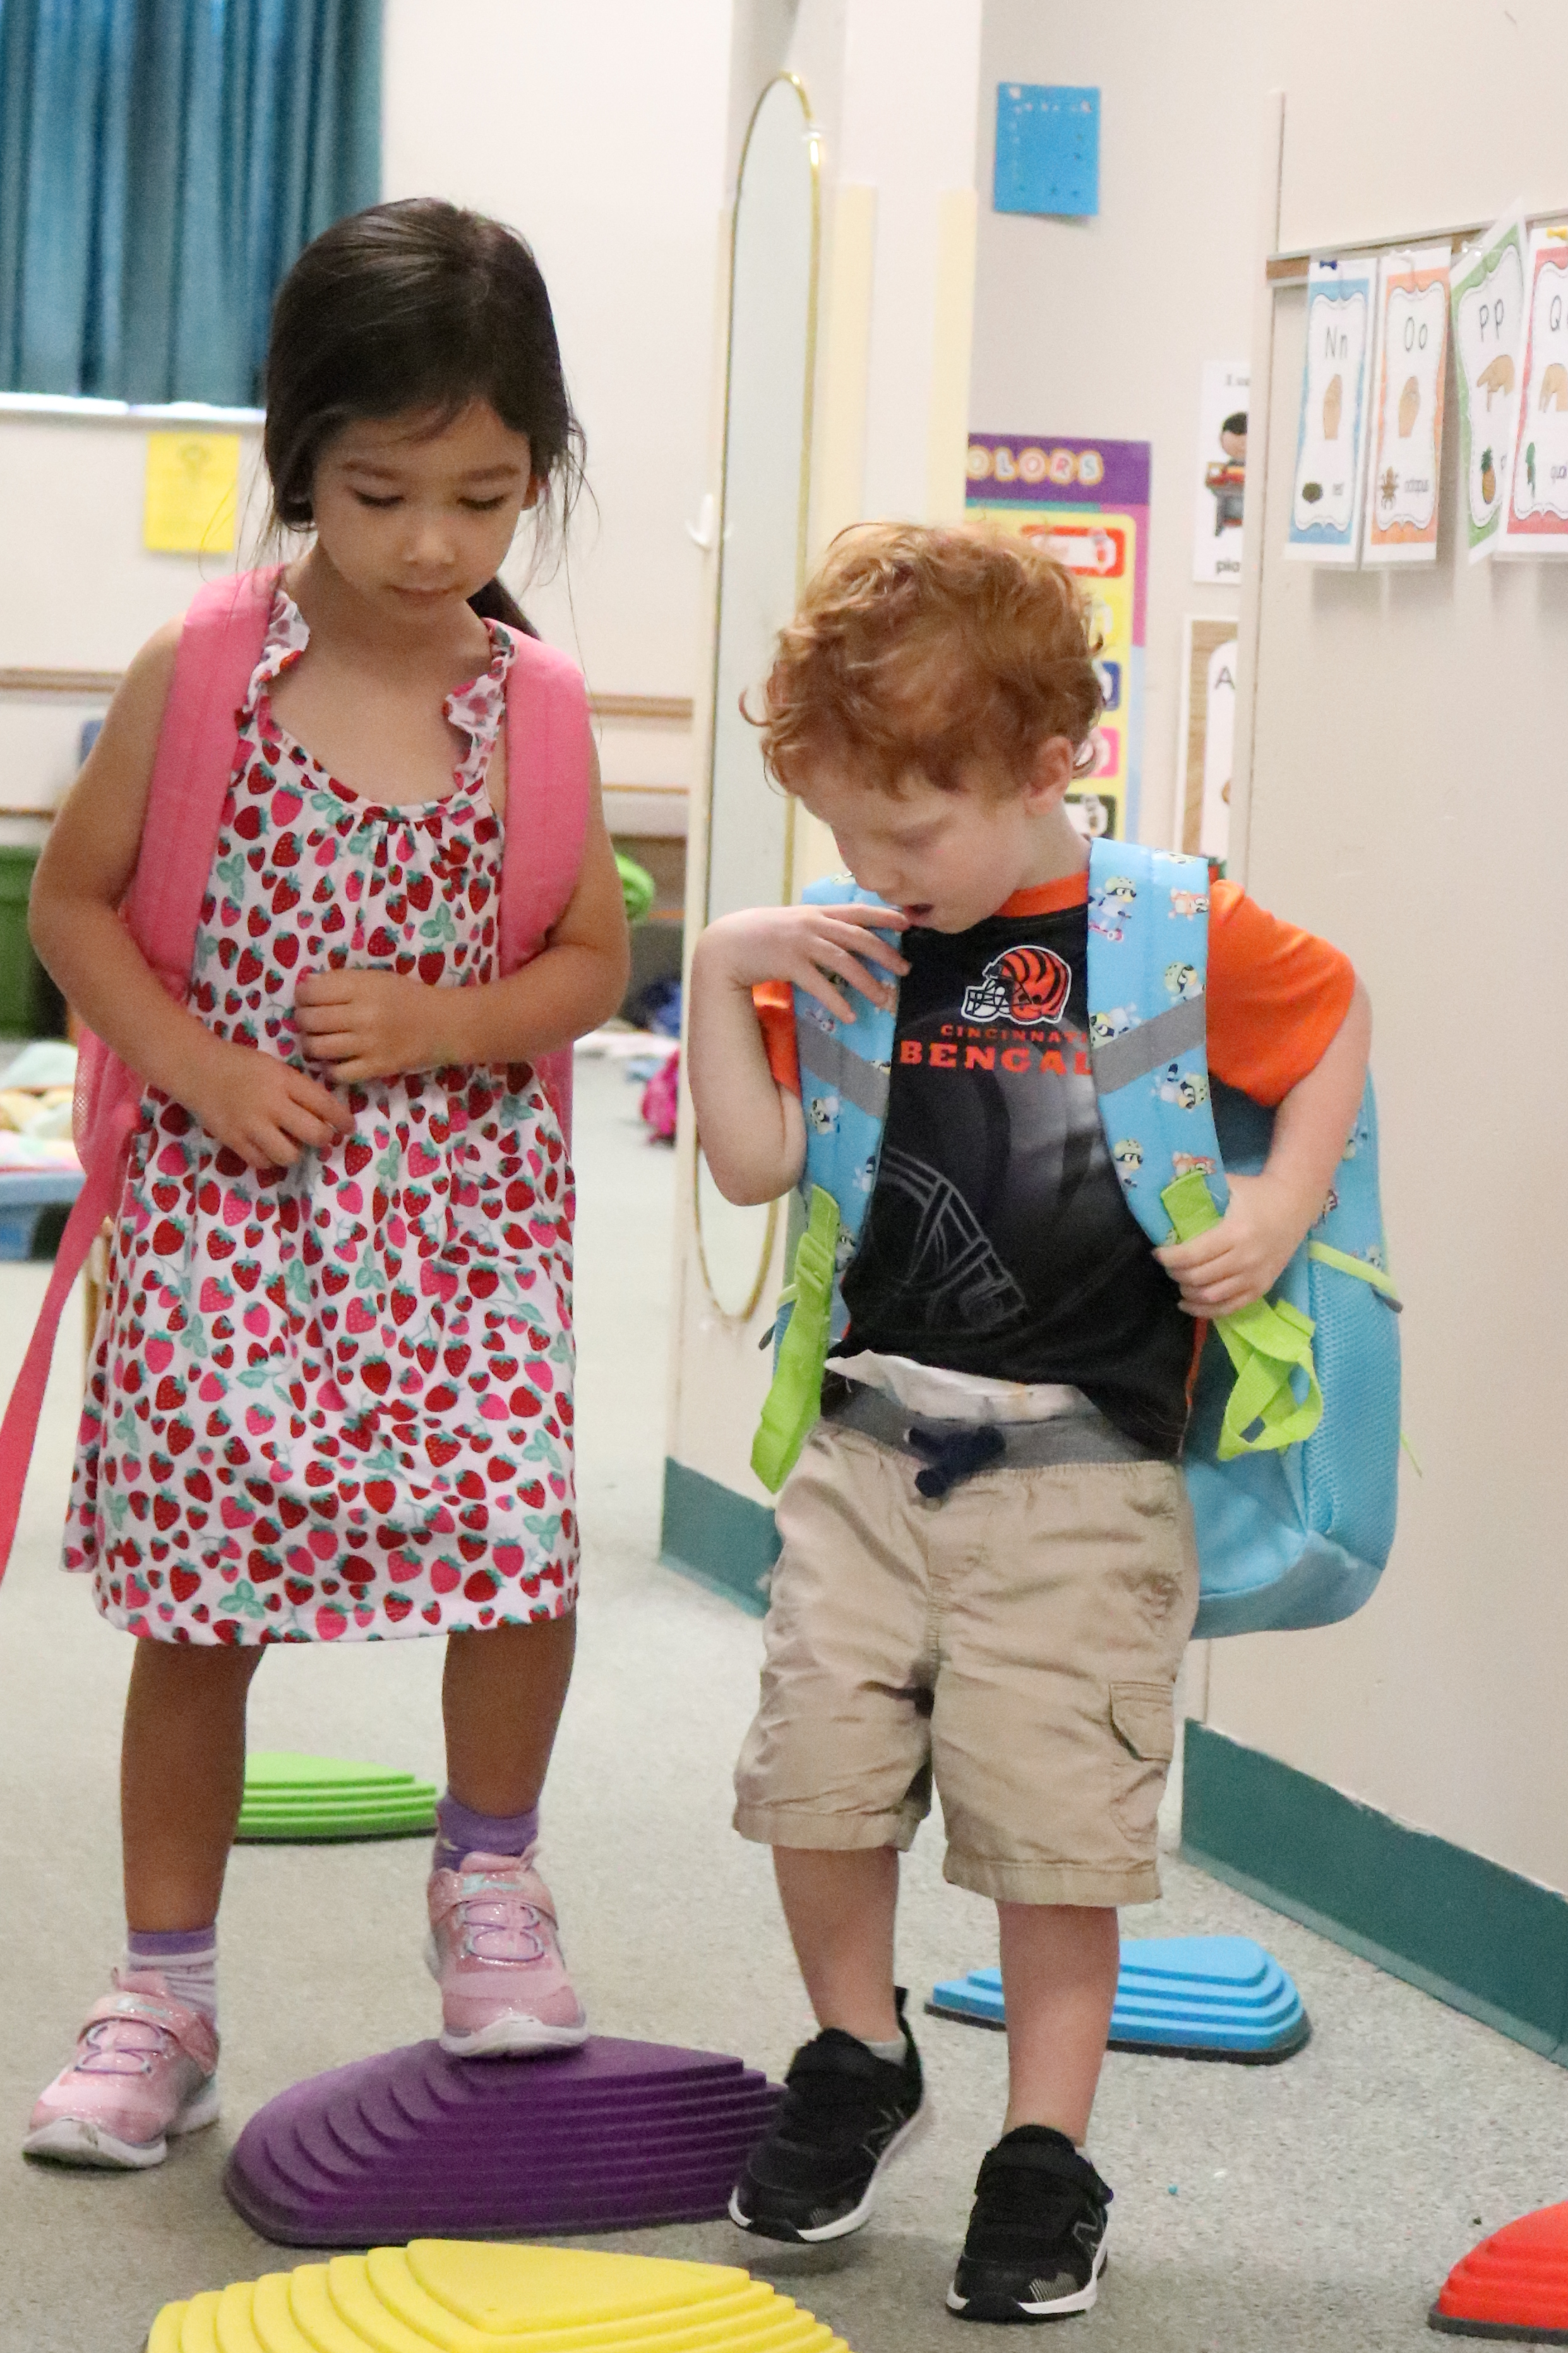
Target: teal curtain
{"x": 161, "y": 162}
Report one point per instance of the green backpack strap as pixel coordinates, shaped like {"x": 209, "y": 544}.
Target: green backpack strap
{"x": 1266, "y": 1343}
{"x": 795, "y": 1400}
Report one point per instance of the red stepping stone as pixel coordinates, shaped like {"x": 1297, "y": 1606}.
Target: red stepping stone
{"x": 1514, "y": 2285}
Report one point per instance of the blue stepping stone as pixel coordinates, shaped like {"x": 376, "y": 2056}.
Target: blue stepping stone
{"x": 25, "y": 1194}
{"x": 1177, "y": 1997}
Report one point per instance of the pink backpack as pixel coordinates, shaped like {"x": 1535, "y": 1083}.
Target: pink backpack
{"x": 549, "y": 768}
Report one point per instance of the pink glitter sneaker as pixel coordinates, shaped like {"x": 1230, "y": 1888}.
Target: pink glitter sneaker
{"x": 145, "y": 2067}
{"x": 494, "y": 1951}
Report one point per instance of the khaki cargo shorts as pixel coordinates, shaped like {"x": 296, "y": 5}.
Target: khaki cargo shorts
{"x": 1017, "y": 1643}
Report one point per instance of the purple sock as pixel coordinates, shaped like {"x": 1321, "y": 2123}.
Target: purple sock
{"x": 461, "y": 1832}
{"x": 186, "y": 1958}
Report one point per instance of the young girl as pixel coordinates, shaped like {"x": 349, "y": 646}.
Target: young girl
{"x": 348, "y": 1087}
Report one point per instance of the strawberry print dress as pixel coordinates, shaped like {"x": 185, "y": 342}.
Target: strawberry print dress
{"x": 334, "y": 1403}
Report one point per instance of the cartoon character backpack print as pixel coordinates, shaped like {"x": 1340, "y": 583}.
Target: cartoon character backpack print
{"x": 1291, "y": 1457}
{"x": 1292, "y": 1453}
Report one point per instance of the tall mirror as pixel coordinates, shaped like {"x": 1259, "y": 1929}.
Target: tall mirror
{"x": 761, "y": 558}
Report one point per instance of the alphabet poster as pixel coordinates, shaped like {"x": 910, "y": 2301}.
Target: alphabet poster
{"x": 1537, "y": 518}
{"x": 1331, "y": 442}
{"x": 1409, "y": 373}
{"x": 1222, "y": 470}
{"x": 1487, "y": 298}
{"x": 1207, "y": 735}
{"x": 1087, "y": 504}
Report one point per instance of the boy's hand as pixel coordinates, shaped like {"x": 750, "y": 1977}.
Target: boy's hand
{"x": 1238, "y": 1260}
{"x": 263, "y": 1109}
{"x": 367, "y": 1025}
{"x": 814, "y": 948}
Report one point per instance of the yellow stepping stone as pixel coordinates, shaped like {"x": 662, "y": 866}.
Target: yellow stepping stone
{"x": 459, "y": 2295}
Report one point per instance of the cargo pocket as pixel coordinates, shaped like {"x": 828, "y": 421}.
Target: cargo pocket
{"x": 1143, "y": 1717}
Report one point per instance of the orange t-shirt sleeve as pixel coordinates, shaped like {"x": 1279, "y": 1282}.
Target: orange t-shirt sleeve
{"x": 1277, "y": 997}
{"x": 774, "y": 1001}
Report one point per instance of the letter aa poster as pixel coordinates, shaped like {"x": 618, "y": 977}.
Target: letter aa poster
{"x": 1537, "y": 518}
{"x": 1331, "y": 442}
{"x": 1086, "y": 504}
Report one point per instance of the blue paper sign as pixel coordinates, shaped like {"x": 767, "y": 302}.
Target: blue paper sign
{"x": 1047, "y": 149}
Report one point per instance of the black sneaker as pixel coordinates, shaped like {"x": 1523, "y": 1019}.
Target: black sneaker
{"x": 1036, "y": 2246}
{"x": 845, "y": 2114}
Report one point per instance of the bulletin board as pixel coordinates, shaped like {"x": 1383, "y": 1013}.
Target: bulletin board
{"x": 1086, "y": 504}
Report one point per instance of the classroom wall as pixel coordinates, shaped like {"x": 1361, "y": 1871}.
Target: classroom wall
{"x": 1102, "y": 327}
{"x": 599, "y": 131}
{"x": 79, "y": 591}
{"x": 1407, "y": 770}
{"x": 1405, "y": 775}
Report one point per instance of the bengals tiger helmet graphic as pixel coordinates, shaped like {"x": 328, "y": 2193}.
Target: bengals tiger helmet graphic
{"x": 1023, "y": 984}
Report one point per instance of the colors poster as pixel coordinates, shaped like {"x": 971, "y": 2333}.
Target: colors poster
{"x": 1087, "y": 504}
{"x": 1487, "y": 295}
{"x": 1330, "y": 441}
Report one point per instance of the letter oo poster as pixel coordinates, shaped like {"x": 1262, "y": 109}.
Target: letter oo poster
{"x": 1086, "y": 504}
{"x": 1409, "y": 373}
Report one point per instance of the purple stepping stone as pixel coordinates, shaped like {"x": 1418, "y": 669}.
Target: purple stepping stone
{"x": 617, "y": 2136}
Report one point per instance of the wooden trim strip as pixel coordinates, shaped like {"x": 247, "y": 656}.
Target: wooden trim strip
{"x": 656, "y": 709}
{"x": 81, "y": 683}
{"x": 1283, "y": 268}
{"x": 674, "y": 710}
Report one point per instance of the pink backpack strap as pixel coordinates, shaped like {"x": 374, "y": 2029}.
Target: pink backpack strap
{"x": 550, "y": 766}
{"x": 219, "y": 647}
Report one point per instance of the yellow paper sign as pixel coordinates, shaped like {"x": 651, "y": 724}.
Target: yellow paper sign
{"x": 193, "y": 493}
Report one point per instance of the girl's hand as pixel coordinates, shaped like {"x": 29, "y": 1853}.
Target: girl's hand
{"x": 263, "y": 1109}
{"x": 1240, "y": 1258}
{"x": 814, "y": 948}
{"x": 369, "y": 1025}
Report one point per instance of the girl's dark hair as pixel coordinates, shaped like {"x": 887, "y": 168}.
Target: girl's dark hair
{"x": 417, "y": 306}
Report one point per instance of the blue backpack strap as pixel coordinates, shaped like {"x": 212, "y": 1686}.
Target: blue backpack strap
{"x": 845, "y": 1069}
{"x": 1148, "y": 978}
{"x": 1147, "y": 972}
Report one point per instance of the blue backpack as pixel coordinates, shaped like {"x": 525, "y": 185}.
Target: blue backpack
{"x": 1291, "y": 1455}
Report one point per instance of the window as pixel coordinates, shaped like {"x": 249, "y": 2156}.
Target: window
{"x": 161, "y": 162}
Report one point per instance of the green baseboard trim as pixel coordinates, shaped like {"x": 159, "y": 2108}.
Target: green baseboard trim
{"x": 724, "y": 1541}
{"x": 1476, "y": 1936}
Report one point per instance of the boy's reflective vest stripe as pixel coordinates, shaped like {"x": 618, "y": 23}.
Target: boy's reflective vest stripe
{"x": 1293, "y": 1483}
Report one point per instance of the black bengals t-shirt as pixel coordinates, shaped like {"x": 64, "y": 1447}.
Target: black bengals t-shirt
{"x": 998, "y": 1240}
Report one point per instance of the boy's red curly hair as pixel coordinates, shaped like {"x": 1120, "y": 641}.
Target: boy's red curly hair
{"x": 923, "y": 647}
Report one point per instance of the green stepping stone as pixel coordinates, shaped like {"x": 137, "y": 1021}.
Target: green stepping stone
{"x": 291, "y": 1797}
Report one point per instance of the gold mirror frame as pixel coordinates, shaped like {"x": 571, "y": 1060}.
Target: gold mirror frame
{"x": 803, "y": 515}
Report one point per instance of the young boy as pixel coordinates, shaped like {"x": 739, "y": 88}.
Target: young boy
{"x": 1017, "y": 1640}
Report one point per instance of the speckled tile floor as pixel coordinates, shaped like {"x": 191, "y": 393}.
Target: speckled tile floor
{"x": 1315, "y": 2205}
